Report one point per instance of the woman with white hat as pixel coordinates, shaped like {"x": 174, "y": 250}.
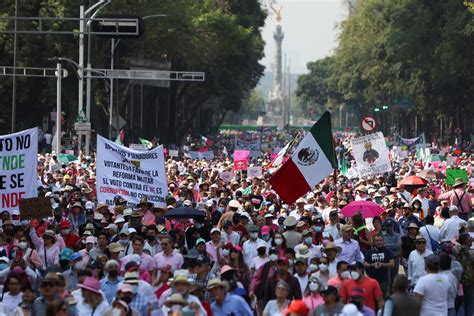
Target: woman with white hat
{"x": 92, "y": 303}
{"x": 46, "y": 246}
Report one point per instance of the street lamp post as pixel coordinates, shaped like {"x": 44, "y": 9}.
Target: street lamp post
{"x": 58, "y": 107}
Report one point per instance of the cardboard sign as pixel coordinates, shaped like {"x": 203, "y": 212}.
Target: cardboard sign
{"x": 226, "y": 176}
{"x": 35, "y": 208}
{"x": 453, "y": 174}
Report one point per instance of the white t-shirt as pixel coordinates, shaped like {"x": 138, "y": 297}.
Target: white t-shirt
{"x": 272, "y": 308}
{"x": 434, "y": 287}
{"x": 257, "y": 262}
{"x": 303, "y": 281}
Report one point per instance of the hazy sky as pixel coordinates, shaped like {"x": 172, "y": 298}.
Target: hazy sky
{"x": 310, "y": 31}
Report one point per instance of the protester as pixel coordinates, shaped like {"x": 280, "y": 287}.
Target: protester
{"x": 400, "y": 303}
{"x": 281, "y": 302}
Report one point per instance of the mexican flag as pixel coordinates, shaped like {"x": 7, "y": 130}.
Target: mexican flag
{"x": 120, "y": 137}
{"x": 312, "y": 161}
{"x": 145, "y": 142}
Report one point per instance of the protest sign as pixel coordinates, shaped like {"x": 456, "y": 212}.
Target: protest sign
{"x": 371, "y": 154}
{"x": 241, "y": 159}
{"x": 253, "y": 172}
{"x": 226, "y": 176}
{"x": 173, "y": 152}
{"x": 420, "y": 140}
{"x": 453, "y": 174}
{"x": 130, "y": 173}
{"x": 139, "y": 147}
{"x": 199, "y": 155}
{"x": 18, "y": 174}
{"x": 37, "y": 207}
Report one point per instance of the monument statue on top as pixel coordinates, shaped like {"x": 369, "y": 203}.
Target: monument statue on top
{"x": 275, "y": 105}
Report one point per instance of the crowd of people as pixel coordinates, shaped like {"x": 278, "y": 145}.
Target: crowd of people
{"x": 249, "y": 253}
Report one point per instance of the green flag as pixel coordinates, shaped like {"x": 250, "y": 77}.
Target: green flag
{"x": 119, "y": 139}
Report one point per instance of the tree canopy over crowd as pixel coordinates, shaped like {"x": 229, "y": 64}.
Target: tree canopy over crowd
{"x": 408, "y": 55}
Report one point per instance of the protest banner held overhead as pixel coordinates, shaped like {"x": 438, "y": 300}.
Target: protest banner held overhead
{"x": 371, "y": 154}
{"x": 420, "y": 140}
{"x": 36, "y": 207}
{"x": 130, "y": 173}
{"x": 18, "y": 174}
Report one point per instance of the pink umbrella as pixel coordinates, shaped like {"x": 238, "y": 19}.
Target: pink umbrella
{"x": 368, "y": 209}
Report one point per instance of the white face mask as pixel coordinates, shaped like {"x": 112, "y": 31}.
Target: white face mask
{"x": 313, "y": 287}
{"x": 23, "y": 245}
{"x": 323, "y": 267}
{"x": 65, "y": 231}
{"x": 273, "y": 257}
{"x": 345, "y": 275}
{"x": 176, "y": 308}
{"x": 253, "y": 235}
{"x": 78, "y": 265}
{"x": 355, "y": 275}
{"x": 225, "y": 252}
{"x": 312, "y": 267}
{"x": 278, "y": 241}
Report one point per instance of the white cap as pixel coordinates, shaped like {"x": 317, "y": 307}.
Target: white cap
{"x": 89, "y": 205}
{"x": 187, "y": 203}
{"x": 209, "y": 203}
{"x": 214, "y": 230}
{"x": 119, "y": 219}
{"x": 132, "y": 230}
{"x": 15, "y": 212}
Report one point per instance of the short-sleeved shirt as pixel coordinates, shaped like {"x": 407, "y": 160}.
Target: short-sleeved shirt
{"x": 323, "y": 310}
{"x": 434, "y": 287}
{"x": 378, "y": 255}
{"x": 370, "y": 287}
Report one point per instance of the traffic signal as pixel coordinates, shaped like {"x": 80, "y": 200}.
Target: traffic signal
{"x": 385, "y": 107}
{"x": 376, "y": 109}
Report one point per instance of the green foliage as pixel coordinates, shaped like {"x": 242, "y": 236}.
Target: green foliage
{"x": 399, "y": 49}
{"x": 221, "y": 38}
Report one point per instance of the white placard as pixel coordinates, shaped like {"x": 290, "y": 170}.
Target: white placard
{"x": 226, "y": 176}
{"x": 253, "y": 172}
{"x": 18, "y": 174}
{"x": 133, "y": 174}
{"x": 371, "y": 154}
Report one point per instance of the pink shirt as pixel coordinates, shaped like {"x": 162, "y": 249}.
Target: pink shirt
{"x": 211, "y": 250}
{"x": 465, "y": 199}
{"x": 147, "y": 263}
{"x": 175, "y": 260}
{"x": 313, "y": 300}
{"x": 52, "y": 253}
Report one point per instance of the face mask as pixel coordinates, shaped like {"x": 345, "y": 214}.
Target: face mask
{"x": 78, "y": 265}
{"x": 323, "y": 267}
{"x": 3, "y": 266}
{"x": 273, "y": 257}
{"x": 278, "y": 241}
{"x": 135, "y": 289}
{"x": 308, "y": 240}
{"x": 23, "y": 245}
{"x": 225, "y": 252}
{"x": 385, "y": 204}
{"x": 176, "y": 308}
{"x": 65, "y": 231}
{"x": 123, "y": 242}
{"x": 13, "y": 253}
{"x": 312, "y": 267}
{"x": 266, "y": 237}
{"x": 220, "y": 209}
{"x": 345, "y": 275}
{"x": 317, "y": 229}
{"x": 113, "y": 273}
{"x": 355, "y": 275}
{"x": 253, "y": 235}
{"x": 197, "y": 225}
{"x": 313, "y": 287}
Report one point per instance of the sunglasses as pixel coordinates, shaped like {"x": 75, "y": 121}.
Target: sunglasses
{"x": 48, "y": 284}
{"x": 420, "y": 242}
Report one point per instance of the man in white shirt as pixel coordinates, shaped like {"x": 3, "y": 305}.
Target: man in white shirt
{"x": 250, "y": 246}
{"x": 425, "y": 203}
{"x": 404, "y": 195}
{"x": 301, "y": 266}
{"x": 332, "y": 207}
{"x": 432, "y": 289}
{"x": 451, "y": 226}
{"x": 300, "y": 203}
{"x": 429, "y": 231}
{"x": 416, "y": 260}
{"x": 334, "y": 227}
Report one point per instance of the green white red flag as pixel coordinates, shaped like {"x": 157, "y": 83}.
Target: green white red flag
{"x": 312, "y": 161}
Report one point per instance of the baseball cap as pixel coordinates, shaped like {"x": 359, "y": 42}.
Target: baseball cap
{"x": 66, "y": 254}
{"x": 329, "y": 290}
{"x": 296, "y": 306}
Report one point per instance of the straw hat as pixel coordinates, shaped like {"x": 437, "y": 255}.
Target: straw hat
{"x": 217, "y": 282}
{"x": 175, "y": 299}
{"x": 331, "y": 245}
{"x": 458, "y": 182}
